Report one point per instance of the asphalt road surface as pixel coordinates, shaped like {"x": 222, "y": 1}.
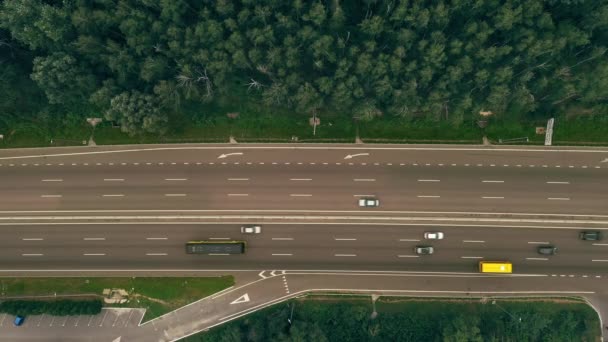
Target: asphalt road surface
{"x": 132, "y": 208}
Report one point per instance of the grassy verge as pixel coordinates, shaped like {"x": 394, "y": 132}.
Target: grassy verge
{"x": 327, "y": 318}
{"x": 197, "y": 122}
{"x": 158, "y": 295}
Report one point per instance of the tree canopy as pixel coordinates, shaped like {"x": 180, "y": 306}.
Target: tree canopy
{"x": 437, "y": 60}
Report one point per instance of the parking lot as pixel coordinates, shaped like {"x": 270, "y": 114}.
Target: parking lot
{"x": 110, "y": 322}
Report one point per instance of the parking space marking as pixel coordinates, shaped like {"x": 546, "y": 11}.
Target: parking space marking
{"x": 40, "y": 320}
{"x": 129, "y": 318}
{"x": 104, "y": 318}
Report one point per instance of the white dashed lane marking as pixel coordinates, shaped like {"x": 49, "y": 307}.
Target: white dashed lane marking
{"x": 558, "y": 182}
{"x": 558, "y": 198}
{"x": 113, "y": 195}
{"x": 52, "y": 180}
{"x": 429, "y": 180}
{"x": 113, "y": 179}
{"x": 492, "y": 181}
{"x": 50, "y": 196}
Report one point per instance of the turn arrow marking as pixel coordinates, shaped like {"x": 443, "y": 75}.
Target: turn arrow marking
{"x": 242, "y": 299}
{"x": 350, "y": 156}
{"x": 222, "y": 156}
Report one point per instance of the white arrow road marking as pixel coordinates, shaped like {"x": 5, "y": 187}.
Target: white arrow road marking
{"x": 242, "y": 299}
{"x": 222, "y": 156}
{"x": 350, "y": 156}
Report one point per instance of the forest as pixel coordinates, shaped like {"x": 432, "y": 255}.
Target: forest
{"x": 413, "y": 320}
{"x": 156, "y": 66}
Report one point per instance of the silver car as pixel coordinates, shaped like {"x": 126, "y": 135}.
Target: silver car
{"x": 251, "y": 229}
{"x": 369, "y": 202}
{"x": 433, "y": 235}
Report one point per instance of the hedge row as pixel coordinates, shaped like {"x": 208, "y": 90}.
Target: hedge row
{"x": 60, "y": 307}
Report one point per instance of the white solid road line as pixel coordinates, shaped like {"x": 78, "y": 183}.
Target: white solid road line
{"x": 52, "y": 180}
{"x": 282, "y": 254}
{"x": 32, "y": 254}
{"x": 345, "y": 239}
{"x": 471, "y": 257}
{"x": 300, "y": 195}
{"x": 538, "y": 242}
{"x": 558, "y": 182}
{"x": 50, "y": 196}
{"x": 32, "y": 239}
{"x": 238, "y": 179}
{"x": 113, "y": 179}
{"x": 156, "y": 254}
{"x": 176, "y": 179}
{"x": 427, "y": 196}
{"x": 363, "y": 195}
{"x": 175, "y": 195}
{"x": 300, "y": 179}
{"x": 282, "y": 239}
{"x": 473, "y": 241}
{"x": 599, "y": 260}
{"x": 219, "y": 238}
{"x": 156, "y": 238}
{"x": 492, "y": 181}
{"x": 408, "y": 256}
{"x": 237, "y": 195}
{"x": 492, "y": 197}
{"x": 558, "y": 198}
{"x": 429, "y": 180}
{"x": 600, "y": 244}
{"x": 94, "y": 254}
{"x": 215, "y": 254}
{"x": 364, "y": 180}
{"x": 94, "y": 239}
{"x": 345, "y": 255}
{"x": 411, "y": 240}
{"x": 542, "y": 259}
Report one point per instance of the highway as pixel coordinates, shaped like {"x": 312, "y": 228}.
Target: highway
{"x": 130, "y": 209}
{"x": 299, "y": 247}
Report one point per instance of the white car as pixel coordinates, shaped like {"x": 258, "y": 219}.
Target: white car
{"x": 369, "y": 202}
{"x": 433, "y": 235}
{"x": 251, "y": 229}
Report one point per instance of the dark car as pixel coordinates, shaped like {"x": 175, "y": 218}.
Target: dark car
{"x": 19, "y": 320}
{"x": 590, "y": 236}
{"x": 424, "y": 250}
{"x": 547, "y": 250}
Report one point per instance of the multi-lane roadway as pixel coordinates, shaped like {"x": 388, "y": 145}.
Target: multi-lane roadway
{"x": 132, "y": 209}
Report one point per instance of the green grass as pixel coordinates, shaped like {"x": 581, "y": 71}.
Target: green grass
{"x": 157, "y": 294}
{"x": 400, "y": 130}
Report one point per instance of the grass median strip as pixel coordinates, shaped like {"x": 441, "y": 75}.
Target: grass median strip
{"x": 158, "y": 295}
